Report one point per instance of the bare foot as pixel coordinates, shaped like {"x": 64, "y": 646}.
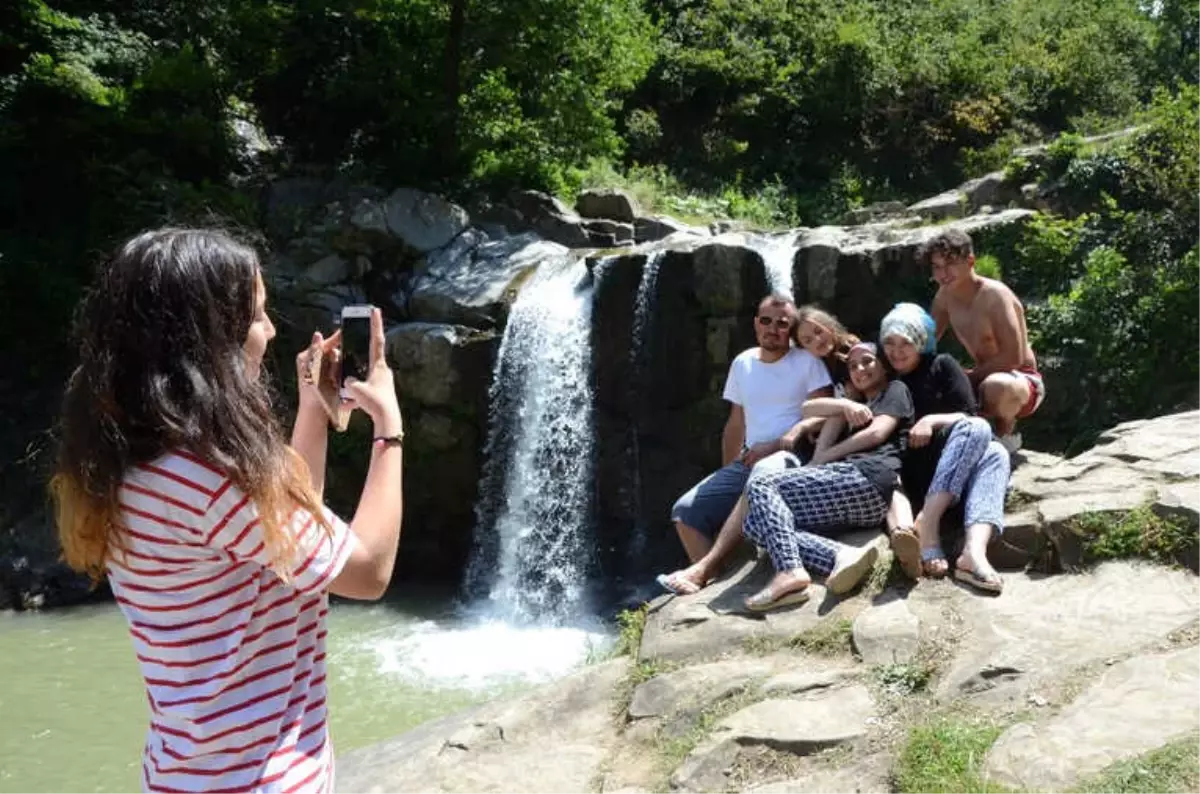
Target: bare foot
{"x": 935, "y": 568}
{"x": 978, "y": 573}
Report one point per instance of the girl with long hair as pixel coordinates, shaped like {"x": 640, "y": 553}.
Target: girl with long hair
{"x": 175, "y": 481}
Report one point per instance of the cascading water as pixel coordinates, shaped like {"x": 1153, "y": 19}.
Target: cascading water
{"x": 533, "y": 554}
{"x": 779, "y": 255}
{"x": 639, "y": 352}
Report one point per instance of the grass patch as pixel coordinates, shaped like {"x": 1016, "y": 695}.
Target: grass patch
{"x": 672, "y": 750}
{"x": 1015, "y": 500}
{"x": 946, "y": 754}
{"x": 632, "y": 624}
{"x": 1139, "y": 533}
{"x": 1172, "y": 767}
{"x": 828, "y": 638}
{"x": 904, "y": 679}
{"x": 884, "y": 574}
{"x": 657, "y": 191}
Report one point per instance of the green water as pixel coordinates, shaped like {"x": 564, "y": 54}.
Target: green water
{"x": 73, "y": 711}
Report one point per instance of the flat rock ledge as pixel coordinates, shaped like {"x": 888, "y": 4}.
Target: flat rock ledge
{"x": 1138, "y": 705}
{"x": 793, "y": 725}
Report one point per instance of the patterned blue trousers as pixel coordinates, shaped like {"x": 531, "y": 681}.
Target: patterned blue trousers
{"x": 787, "y": 508}
{"x": 974, "y": 468}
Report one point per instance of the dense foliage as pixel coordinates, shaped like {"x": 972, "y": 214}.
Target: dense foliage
{"x": 1113, "y": 285}
{"x": 116, "y": 114}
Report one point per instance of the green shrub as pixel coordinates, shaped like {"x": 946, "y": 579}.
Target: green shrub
{"x": 1140, "y": 533}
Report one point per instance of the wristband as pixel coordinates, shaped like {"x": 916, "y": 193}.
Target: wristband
{"x": 389, "y": 441}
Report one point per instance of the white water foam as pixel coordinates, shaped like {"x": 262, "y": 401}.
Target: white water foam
{"x": 778, "y": 253}
{"x": 487, "y": 654}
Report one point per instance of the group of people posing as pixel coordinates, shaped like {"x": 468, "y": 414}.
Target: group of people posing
{"x": 828, "y": 433}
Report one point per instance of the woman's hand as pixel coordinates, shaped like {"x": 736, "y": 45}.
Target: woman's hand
{"x": 921, "y": 433}
{"x": 377, "y": 394}
{"x": 856, "y": 414}
{"x": 316, "y": 372}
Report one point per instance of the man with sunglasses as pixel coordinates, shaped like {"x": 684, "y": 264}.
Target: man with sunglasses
{"x": 766, "y": 388}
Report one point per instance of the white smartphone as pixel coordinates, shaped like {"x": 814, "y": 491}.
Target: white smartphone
{"x": 356, "y": 343}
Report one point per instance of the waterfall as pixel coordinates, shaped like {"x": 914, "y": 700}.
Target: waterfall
{"x": 534, "y": 549}
{"x": 778, "y": 253}
{"x": 643, "y": 327}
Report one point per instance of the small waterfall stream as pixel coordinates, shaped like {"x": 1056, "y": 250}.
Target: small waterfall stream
{"x": 534, "y": 550}
{"x": 639, "y": 353}
{"x": 779, "y": 255}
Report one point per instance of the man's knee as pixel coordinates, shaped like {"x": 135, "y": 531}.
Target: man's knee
{"x": 1002, "y": 394}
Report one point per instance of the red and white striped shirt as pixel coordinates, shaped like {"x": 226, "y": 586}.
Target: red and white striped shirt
{"x": 233, "y": 658}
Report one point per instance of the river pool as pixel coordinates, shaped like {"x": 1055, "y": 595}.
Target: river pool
{"x": 73, "y": 712}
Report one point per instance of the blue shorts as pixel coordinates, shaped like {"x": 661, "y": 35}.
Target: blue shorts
{"x": 706, "y": 506}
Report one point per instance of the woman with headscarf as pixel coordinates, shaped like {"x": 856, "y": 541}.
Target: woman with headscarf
{"x": 951, "y": 456}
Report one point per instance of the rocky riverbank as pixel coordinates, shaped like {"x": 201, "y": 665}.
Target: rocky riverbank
{"x": 1078, "y": 665}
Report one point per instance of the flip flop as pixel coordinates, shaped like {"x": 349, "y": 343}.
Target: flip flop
{"x": 761, "y": 602}
{"x": 988, "y": 584}
{"x": 907, "y": 549}
{"x": 664, "y": 581}
{"x": 930, "y": 555}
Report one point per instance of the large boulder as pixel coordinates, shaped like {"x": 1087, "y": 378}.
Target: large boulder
{"x": 657, "y": 227}
{"x": 422, "y": 220}
{"x": 474, "y": 285}
{"x": 32, "y": 574}
{"x": 1137, "y": 706}
{"x": 442, "y": 377}
{"x": 607, "y": 203}
{"x": 1154, "y": 462}
{"x": 550, "y": 218}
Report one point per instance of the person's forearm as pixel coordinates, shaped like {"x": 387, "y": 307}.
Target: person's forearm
{"x": 938, "y": 421}
{"x": 731, "y": 444}
{"x": 825, "y": 407}
{"x": 381, "y": 508}
{"x": 310, "y": 439}
{"x": 867, "y": 438}
{"x": 830, "y": 431}
{"x": 802, "y": 428}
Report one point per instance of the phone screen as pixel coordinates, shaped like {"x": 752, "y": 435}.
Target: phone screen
{"x": 356, "y": 347}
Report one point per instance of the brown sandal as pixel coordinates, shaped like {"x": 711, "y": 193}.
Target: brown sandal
{"x": 907, "y": 548}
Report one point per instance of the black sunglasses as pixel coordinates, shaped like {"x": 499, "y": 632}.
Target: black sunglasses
{"x": 778, "y": 322}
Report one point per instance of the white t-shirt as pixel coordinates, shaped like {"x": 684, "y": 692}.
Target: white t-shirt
{"x": 773, "y": 395}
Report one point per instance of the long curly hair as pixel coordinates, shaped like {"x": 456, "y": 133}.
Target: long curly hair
{"x": 843, "y": 340}
{"x": 161, "y": 368}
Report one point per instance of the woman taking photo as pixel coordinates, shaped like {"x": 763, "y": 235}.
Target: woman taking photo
{"x": 174, "y": 480}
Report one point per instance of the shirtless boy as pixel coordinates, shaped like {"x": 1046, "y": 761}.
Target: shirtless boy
{"x": 989, "y": 321}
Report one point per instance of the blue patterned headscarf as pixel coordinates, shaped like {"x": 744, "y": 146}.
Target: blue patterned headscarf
{"x": 911, "y": 322}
